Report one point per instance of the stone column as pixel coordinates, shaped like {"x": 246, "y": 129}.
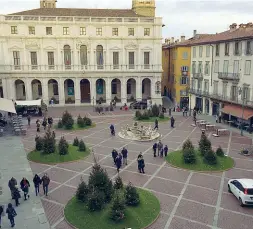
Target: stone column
{"x": 138, "y": 88}
{"x": 123, "y": 91}
{"x": 77, "y": 92}
{"x": 152, "y": 89}
{"x": 204, "y": 105}
{"x": 93, "y": 92}
{"x": 108, "y": 86}
{"x": 61, "y": 92}
{"x": 10, "y": 89}
{"x": 28, "y": 89}
{"x": 44, "y": 85}
{"x": 4, "y": 86}
{"x": 210, "y": 107}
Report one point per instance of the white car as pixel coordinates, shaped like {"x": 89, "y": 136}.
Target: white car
{"x": 242, "y": 189}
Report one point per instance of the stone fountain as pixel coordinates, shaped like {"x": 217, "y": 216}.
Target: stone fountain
{"x": 138, "y": 133}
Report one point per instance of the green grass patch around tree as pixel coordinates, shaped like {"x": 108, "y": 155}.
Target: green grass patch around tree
{"x": 76, "y": 127}
{"x": 176, "y": 159}
{"x": 54, "y": 158}
{"x": 141, "y": 216}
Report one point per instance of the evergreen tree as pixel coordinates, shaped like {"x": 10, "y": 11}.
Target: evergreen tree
{"x": 63, "y": 146}
{"x": 118, "y": 183}
{"x": 82, "y": 146}
{"x": 188, "y": 145}
{"x": 210, "y": 157}
{"x": 220, "y": 152}
{"x": 82, "y": 191}
{"x": 80, "y": 122}
{"x": 87, "y": 121}
{"x": 67, "y": 120}
{"x": 60, "y": 124}
{"x": 38, "y": 143}
{"x": 155, "y": 111}
{"x": 189, "y": 156}
{"x": 96, "y": 200}
{"x": 204, "y": 145}
{"x": 76, "y": 142}
{"x": 131, "y": 195}
{"x": 49, "y": 143}
{"x": 117, "y": 212}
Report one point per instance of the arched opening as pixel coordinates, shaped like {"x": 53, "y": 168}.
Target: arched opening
{"x": 53, "y": 91}
{"x": 36, "y": 89}
{"x": 100, "y": 91}
{"x": 85, "y": 91}
{"x": 146, "y": 89}
{"x": 83, "y": 56}
{"x": 20, "y": 90}
{"x": 69, "y": 89}
{"x": 116, "y": 90}
{"x": 67, "y": 56}
{"x": 100, "y": 57}
{"x": 131, "y": 90}
{"x": 1, "y": 89}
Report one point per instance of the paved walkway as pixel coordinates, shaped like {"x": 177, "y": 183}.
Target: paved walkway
{"x": 13, "y": 163}
{"x": 189, "y": 200}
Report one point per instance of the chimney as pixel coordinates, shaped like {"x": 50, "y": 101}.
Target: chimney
{"x": 182, "y": 38}
{"x": 249, "y": 25}
{"x": 194, "y": 32}
{"x": 172, "y": 40}
{"x": 241, "y": 26}
{"x": 233, "y": 26}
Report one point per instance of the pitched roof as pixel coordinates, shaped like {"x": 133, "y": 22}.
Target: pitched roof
{"x": 79, "y": 12}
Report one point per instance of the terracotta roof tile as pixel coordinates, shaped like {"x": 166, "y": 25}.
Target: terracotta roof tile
{"x": 79, "y": 12}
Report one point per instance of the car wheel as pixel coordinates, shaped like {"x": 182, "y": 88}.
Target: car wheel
{"x": 241, "y": 203}
{"x": 229, "y": 190}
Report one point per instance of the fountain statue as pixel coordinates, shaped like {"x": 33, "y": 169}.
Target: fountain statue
{"x": 137, "y": 133}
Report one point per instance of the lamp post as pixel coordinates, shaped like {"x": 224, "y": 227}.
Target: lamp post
{"x": 241, "y": 92}
{"x": 189, "y": 96}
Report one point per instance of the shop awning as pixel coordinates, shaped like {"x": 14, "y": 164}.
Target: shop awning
{"x": 236, "y": 111}
{"x": 7, "y": 105}
{"x": 29, "y": 103}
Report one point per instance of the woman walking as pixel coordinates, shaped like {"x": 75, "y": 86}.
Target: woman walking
{"x": 45, "y": 183}
{"x": 37, "y": 182}
{"x": 16, "y": 195}
{"x": 118, "y": 162}
{"x": 24, "y": 184}
{"x": 141, "y": 163}
{"x": 11, "y": 213}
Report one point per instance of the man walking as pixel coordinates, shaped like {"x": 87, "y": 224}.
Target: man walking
{"x": 160, "y": 146}
{"x": 165, "y": 150}
{"x": 141, "y": 163}
{"x": 172, "y": 122}
{"x": 124, "y": 153}
{"x": 45, "y": 183}
{"x": 29, "y": 120}
{"x": 114, "y": 155}
{"x": 155, "y": 148}
{"x": 12, "y": 184}
{"x": 156, "y": 125}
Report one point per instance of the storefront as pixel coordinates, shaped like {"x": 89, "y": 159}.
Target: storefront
{"x": 184, "y": 102}
{"x": 216, "y": 108}
{"x": 207, "y": 106}
{"x": 199, "y": 103}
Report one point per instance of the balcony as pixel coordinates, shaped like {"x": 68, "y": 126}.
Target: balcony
{"x": 229, "y": 76}
{"x": 67, "y": 68}
{"x": 197, "y": 75}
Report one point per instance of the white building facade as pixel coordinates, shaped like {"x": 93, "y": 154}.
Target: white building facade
{"x": 81, "y": 56}
{"x": 222, "y": 72}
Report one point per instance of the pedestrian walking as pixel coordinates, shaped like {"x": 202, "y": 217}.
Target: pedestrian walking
{"x": 165, "y": 150}
{"x": 141, "y": 163}
{"x": 50, "y": 122}
{"x": 114, "y": 155}
{"x": 12, "y": 183}
{"x": 45, "y": 183}
{"x": 16, "y": 195}
{"x": 161, "y": 152}
{"x": 37, "y": 182}
{"x": 172, "y": 122}
{"x": 44, "y": 123}
{"x": 155, "y": 148}
{"x": 38, "y": 125}
{"x": 124, "y": 153}
{"x": 29, "y": 120}
{"x": 1, "y": 213}
{"x": 156, "y": 125}
{"x": 10, "y": 211}
{"x": 183, "y": 110}
{"x": 118, "y": 162}
{"x": 159, "y": 146}
{"x": 24, "y": 184}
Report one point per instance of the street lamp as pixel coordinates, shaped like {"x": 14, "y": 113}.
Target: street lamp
{"x": 188, "y": 92}
{"x": 241, "y": 92}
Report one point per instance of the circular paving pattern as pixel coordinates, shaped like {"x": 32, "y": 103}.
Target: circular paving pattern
{"x": 188, "y": 199}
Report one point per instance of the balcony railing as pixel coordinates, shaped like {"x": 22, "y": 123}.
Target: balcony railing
{"x": 21, "y": 68}
{"x": 197, "y": 75}
{"x": 229, "y": 76}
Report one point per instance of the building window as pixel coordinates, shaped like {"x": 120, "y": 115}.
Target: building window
{"x": 206, "y": 86}
{"x": 225, "y": 90}
{"x": 245, "y": 94}
{"x": 39, "y": 89}
{"x": 49, "y": 30}
{"x": 194, "y": 52}
{"x": 249, "y": 47}
{"x": 115, "y": 31}
{"x": 225, "y": 66}
{"x": 174, "y": 54}
{"x": 82, "y": 30}
{"x": 34, "y": 61}
{"x": 216, "y": 66}
{"x": 50, "y": 58}
{"x": 184, "y": 80}
{"x": 234, "y": 93}
{"x": 129, "y": 88}
{"x": 67, "y": 56}
{"x": 31, "y": 30}
{"x": 114, "y": 87}
{"x": 200, "y": 67}
{"x": 131, "y": 60}
{"x": 226, "y": 49}
{"x": 146, "y": 31}
{"x": 55, "y": 89}
{"x": 208, "y": 51}
{"x": 130, "y": 31}
{"x": 16, "y": 59}
{"x": 146, "y": 60}
{"x": 207, "y": 68}
{"x": 99, "y": 31}
{"x": 236, "y": 66}
{"x": 238, "y": 48}
{"x": 100, "y": 57}
{"x": 158, "y": 87}
{"x": 217, "y": 49}
{"x": 65, "y": 30}
{"x": 83, "y": 55}
{"x": 193, "y": 67}
{"x": 215, "y": 87}
{"x": 185, "y": 55}
{"x": 200, "y": 51}
{"x": 14, "y": 30}
{"x": 247, "y": 67}
{"x": 115, "y": 56}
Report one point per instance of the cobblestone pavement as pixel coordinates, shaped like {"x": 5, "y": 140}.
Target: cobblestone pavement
{"x": 189, "y": 200}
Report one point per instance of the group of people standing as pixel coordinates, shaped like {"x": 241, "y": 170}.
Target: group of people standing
{"x": 24, "y": 186}
{"x": 159, "y": 149}
{"x": 47, "y": 122}
{"x": 118, "y": 158}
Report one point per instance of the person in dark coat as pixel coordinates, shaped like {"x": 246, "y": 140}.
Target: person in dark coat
{"x": 12, "y": 183}
{"x": 118, "y": 162}
{"x": 156, "y": 125}
{"x": 29, "y": 120}
{"x": 11, "y": 213}
{"x": 44, "y": 123}
{"x": 155, "y": 148}
{"x": 16, "y": 195}
{"x": 161, "y": 152}
{"x": 50, "y": 122}
{"x": 114, "y": 155}
{"x": 38, "y": 125}
{"x": 1, "y": 212}
{"x": 37, "y": 182}
{"x": 141, "y": 163}
{"x": 172, "y": 122}
{"x": 45, "y": 183}
{"x": 165, "y": 150}
{"x": 159, "y": 146}
{"x": 24, "y": 184}
{"x": 124, "y": 153}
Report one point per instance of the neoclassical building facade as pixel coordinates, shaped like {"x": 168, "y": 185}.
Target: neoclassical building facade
{"x": 80, "y": 56}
